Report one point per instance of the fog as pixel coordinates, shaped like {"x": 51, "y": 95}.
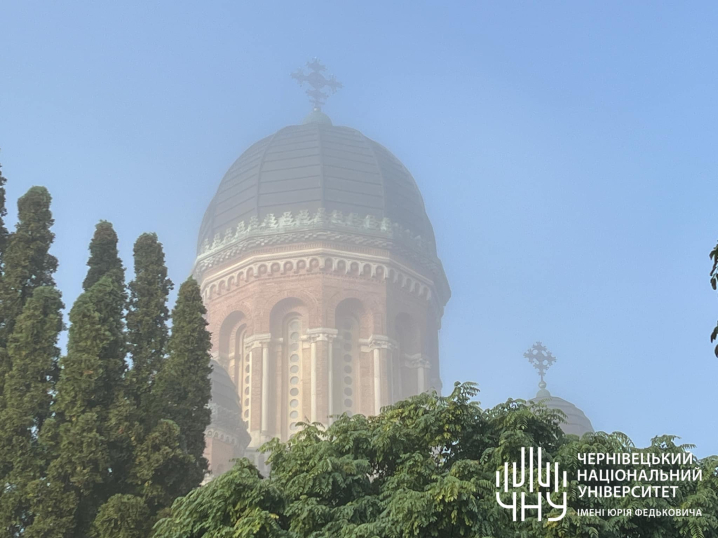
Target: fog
{"x": 565, "y": 154}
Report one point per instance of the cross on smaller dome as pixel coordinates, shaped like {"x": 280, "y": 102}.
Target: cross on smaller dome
{"x": 541, "y": 358}
{"x": 577, "y": 423}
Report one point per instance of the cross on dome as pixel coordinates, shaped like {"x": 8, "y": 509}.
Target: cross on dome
{"x": 541, "y": 359}
{"x": 317, "y": 82}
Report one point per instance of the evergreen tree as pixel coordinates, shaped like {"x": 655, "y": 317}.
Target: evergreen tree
{"x": 123, "y": 516}
{"x": 93, "y": 367}
{"x": 27, "y": 265}
{"x": 81, "y": 475}
{"x": 182, "y": 390}
{"x": 28, "y": 395}
{"x": 158, "y": 470}
{"x": 147, "y": 315}
{"x": 104, "y": 257}
{"x": 168, "y": 447}
{"x": 3, "y": 214}
{"x": 714, "y": 283}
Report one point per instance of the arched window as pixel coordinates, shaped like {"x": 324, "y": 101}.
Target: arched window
{"x": 232, "y": 356}
{"x": 408, "y": 344}
{"x": 346, "y": 361}
{"x": 293, "y": 359}
{"x": 243, "y": 377}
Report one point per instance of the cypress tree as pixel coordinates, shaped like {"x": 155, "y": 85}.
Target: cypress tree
{"x": 80, "y": 438}
{"x": 147, "y": 315}
{"x": 93, "y": 367}
{"x": 123, "y": 516}
{"x": 104, "y": 256}
{"x": 3, "y": 214}
{"x": 182, "y": 389}
{"x": 714, "y": 283}
{"x": 27, "y": 261}
{"x": 157, "y": 476}
{"x": 28, "y": 395}
{"x": 27, "y": 265}
{"x": 168, "y": 448}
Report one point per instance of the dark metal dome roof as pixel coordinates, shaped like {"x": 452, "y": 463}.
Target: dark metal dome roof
{"x": 312, "y": 166}
{"x": 577, "y": 423}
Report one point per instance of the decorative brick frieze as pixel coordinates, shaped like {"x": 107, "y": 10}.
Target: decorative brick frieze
{"x": 344, "y": 264}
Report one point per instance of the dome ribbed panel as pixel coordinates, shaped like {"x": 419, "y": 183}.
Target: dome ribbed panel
{"x": 353, "y": 182}
{"x": 404, "y": 203}
{"x": 577, "y": 423}
{"x": 305, "y": 167}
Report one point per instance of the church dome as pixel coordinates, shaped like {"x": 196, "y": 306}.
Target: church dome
{"x": 316, "y": 166}
{"x": 577, "y": 423}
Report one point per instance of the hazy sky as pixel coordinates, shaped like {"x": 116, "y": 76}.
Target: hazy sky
{"x": 566, "y": 152}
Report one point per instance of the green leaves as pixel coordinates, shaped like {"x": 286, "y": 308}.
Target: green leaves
{"x": 215, "y": 509}
{"x": 182, "y": 388}
{"x": 95, "y": 362}
{"x": 122, "y": 516}
{"x": 30, "y": 322}
{"x": 147, "y": 317}
{"x": 26, "y": 263}
{"x": 714, "y": 284}
{"x": 104, "y": 257}
{"x": 424, "y": 468}
{"x": 3, "y": 214}
{"x": 86, "y": 447}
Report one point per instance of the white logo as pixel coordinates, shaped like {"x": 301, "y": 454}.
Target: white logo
{"x": 543, "y": 481}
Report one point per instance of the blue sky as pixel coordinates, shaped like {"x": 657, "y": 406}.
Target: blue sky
{"x": 566, "y": 152}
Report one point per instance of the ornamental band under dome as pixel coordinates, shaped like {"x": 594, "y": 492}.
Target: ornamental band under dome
{"x": 319, "y": 271}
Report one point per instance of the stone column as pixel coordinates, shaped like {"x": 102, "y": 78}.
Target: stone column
{"x": 259, "y": 344}
{"x": 421, "y": 378}
{"x": 380, "y": 346}
{"x": 377, "y": 380}
{"x": 321, "y": 372}
{"x": 424, "y": 373}
{"x": 330, "y": 378}
{"x": 421, "y": 364}
{"x": 313, "y": 383}
{"x": 265, "y": 388}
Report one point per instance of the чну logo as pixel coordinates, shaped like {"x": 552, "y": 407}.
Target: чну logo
{"x": 543, "y": 480}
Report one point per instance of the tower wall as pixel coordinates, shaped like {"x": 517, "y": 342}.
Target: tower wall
{"x": 312, "y": 330}
{"x": 318, "y": 265}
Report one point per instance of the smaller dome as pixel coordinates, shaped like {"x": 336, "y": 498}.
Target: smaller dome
{"x": 225, "y": 406}
{"x": 577, "y": 423}
{"x": 317, "y": 116}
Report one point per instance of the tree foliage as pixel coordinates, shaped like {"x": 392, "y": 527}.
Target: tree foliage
{"x": 86, "y": 450}
{"x": 81, "y": 438}
{"x": 30, "y": 321}
{"x": 714, "y": 283}
{"x": 424, "y": 468}
{"x": 147, "y": 316}
{"x": 28, "y": 394}
{"x": 182, "y": 389}
{"x": 104, "y": 256}
{"x": 27, "y": 264}
{"x": 3, "y": 214}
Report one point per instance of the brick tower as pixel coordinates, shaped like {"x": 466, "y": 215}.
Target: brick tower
{"x": 318, "y": 267}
